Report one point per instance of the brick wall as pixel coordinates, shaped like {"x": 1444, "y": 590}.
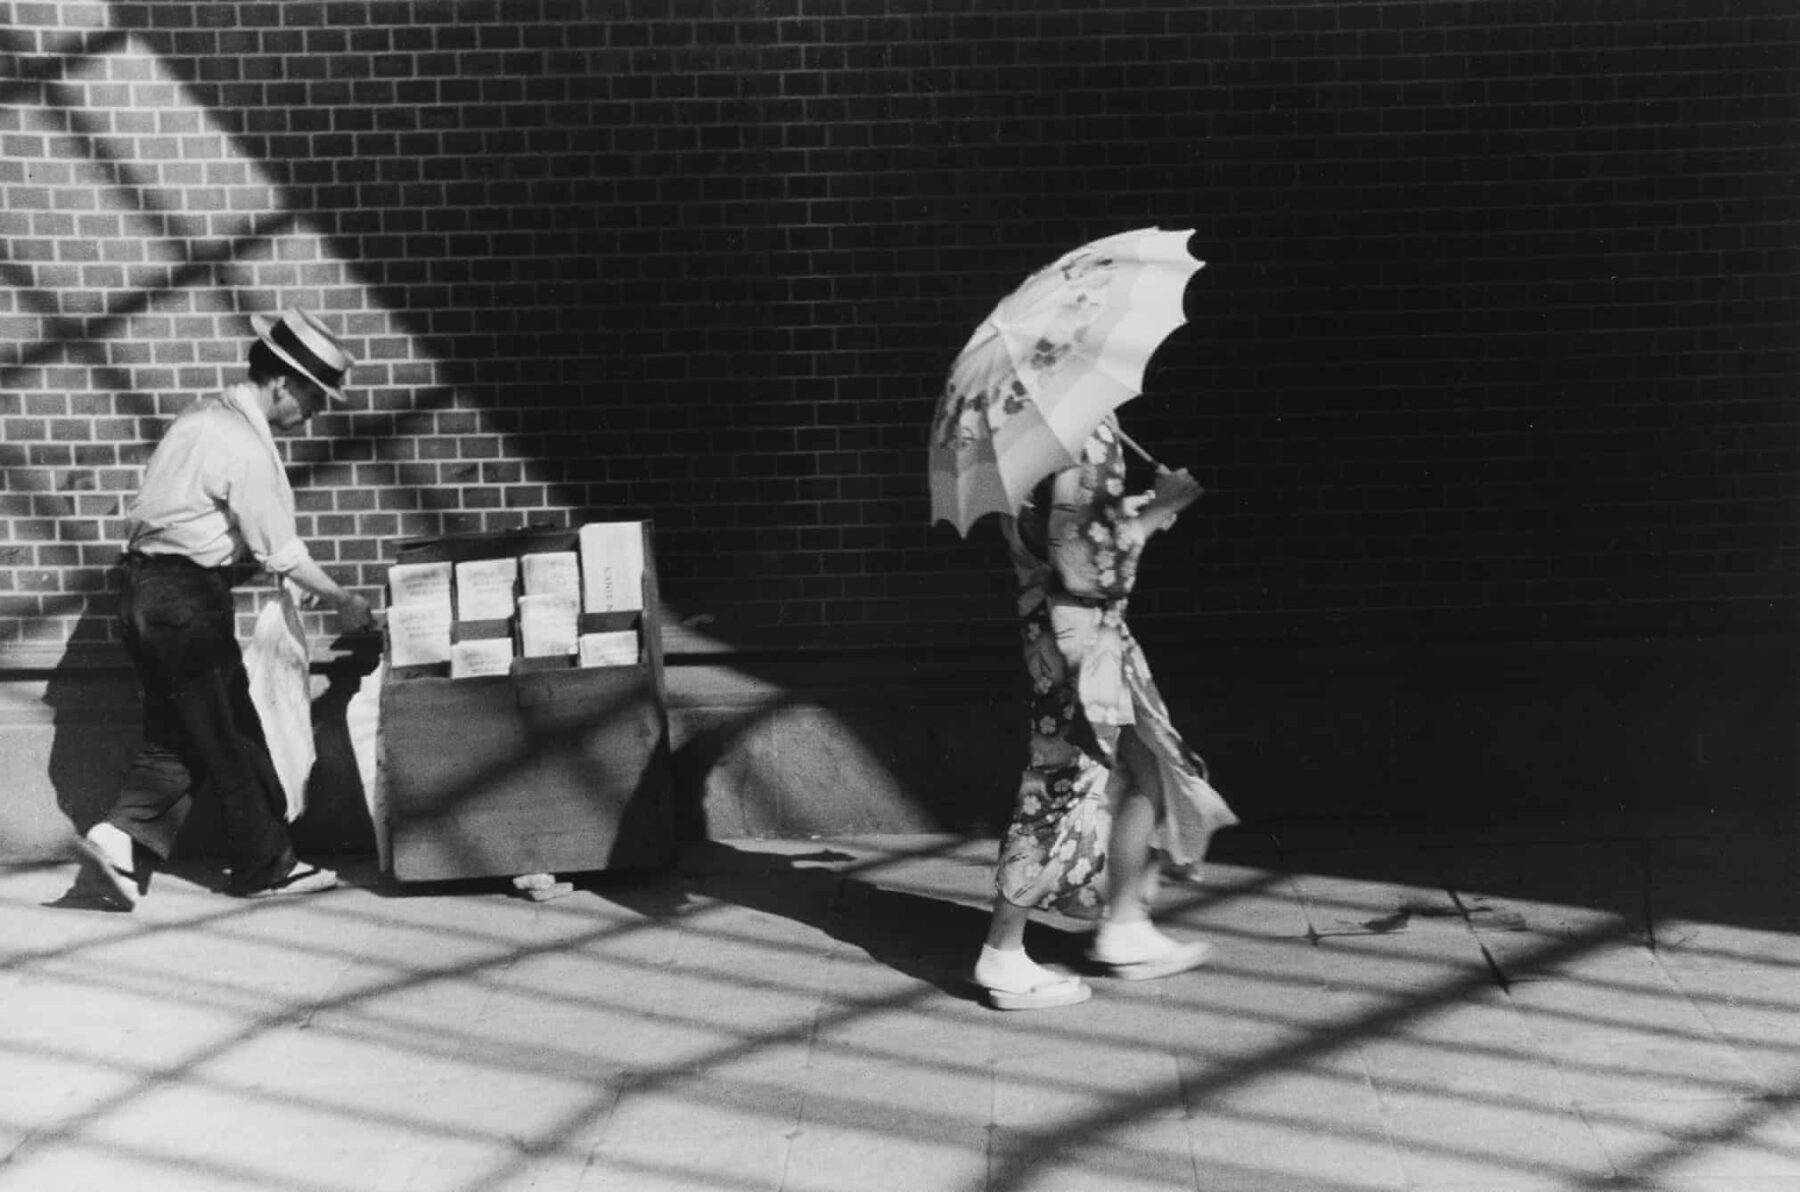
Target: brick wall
{"x": 1496, "y": 337}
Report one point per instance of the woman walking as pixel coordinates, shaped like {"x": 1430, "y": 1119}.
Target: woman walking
{"x": 1109, "y": 782}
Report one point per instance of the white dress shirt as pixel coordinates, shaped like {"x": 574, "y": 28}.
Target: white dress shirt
{"x": 215, "y": 490}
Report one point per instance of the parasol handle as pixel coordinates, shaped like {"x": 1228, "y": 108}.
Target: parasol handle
{"x": 1133, "y": 444}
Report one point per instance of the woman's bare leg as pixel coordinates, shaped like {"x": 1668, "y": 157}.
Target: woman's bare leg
{"x": 1136, "y": 804}
{"x": 1006, "y": 930}
{"x": 1126, "y": 940}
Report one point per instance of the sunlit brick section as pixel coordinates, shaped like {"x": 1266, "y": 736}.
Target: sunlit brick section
{"x": 141, "y": 236}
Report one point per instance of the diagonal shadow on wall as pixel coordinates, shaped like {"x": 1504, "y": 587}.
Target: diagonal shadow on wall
{"x": 796, "y": 892}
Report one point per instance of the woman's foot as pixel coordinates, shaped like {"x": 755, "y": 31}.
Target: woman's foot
{"x": 1191, "y": 874}
{"x": 1137, "y": 951}
{"x": 1011, "y": 980}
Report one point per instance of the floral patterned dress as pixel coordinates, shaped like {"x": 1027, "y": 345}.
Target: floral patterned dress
{"x": 1076, "y": 554}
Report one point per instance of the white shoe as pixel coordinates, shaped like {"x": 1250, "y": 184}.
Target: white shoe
{"x": 301, "y": 879}
{"x": 1137, "y": 951}
{"x": 1013, "y": 981}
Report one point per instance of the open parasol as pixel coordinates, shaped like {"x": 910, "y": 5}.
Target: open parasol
{"x": 1056, "y": 356}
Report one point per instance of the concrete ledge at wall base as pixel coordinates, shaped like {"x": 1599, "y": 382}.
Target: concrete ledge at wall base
{"x": 761, "y": 745}
{"x": 904, "y": 741}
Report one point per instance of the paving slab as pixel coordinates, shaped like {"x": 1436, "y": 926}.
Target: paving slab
{"x": 1577, "y": 1009}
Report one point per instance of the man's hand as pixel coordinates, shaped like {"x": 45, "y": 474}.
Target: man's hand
{"x": 355, "y": 615}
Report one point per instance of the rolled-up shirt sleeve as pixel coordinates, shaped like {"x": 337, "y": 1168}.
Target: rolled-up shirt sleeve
{"x": 261, "y": 509}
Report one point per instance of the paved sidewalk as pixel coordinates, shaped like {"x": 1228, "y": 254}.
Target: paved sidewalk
{"x": 1568, "y": 1009}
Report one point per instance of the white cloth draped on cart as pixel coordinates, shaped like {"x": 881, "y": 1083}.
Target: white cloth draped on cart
{"x": 362, "y": 719}
{"x": 280, "y": 668}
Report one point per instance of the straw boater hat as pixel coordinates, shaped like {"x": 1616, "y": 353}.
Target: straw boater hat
{"x": 309, "y": 346}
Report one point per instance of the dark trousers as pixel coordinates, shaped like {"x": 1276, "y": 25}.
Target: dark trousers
{"x": 201, "y": 732}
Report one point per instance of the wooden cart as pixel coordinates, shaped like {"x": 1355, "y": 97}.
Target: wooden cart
{"x": 549, "y": 768}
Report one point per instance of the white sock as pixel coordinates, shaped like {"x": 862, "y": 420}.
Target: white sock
{"x": 1011, "y": 971}
{"x": 114, "y": 842}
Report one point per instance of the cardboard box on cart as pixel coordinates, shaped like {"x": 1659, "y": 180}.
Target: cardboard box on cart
{"x": 547, "y": 767}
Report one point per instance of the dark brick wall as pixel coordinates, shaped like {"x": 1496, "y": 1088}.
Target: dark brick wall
{"x": 1496, "y": 336}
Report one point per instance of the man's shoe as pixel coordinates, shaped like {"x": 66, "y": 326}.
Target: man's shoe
{"x": 116, "y": 886}
{"x": 301, "y": 879}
